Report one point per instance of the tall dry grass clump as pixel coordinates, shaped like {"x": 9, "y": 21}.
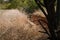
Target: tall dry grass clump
{"x": 15, "y": 25}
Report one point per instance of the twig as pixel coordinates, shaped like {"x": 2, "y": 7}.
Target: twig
{"x": 38, "y": 3}
{"x": 44, "y": 28}
{"x": 42, "y": 31}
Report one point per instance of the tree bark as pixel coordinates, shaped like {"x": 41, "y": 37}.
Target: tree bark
{"x": 58, "y": 17}
{"x": 51, "y": 18}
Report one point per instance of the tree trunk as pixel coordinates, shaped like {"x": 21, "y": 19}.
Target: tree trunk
{"x": 58, "y": 17}
{"x": 51, "y": 18}
{"x": 51, "y": 23}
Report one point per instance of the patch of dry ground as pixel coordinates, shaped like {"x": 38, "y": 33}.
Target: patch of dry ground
{"x": 15, "y": 25}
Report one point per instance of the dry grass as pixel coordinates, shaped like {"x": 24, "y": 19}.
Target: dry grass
{"x": 15, "y": 25}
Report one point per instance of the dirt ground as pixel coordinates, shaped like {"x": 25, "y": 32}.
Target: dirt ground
{"x": 15, "y": 25}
